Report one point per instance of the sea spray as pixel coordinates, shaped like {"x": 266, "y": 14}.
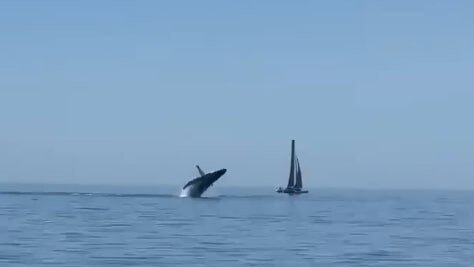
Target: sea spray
{"x": 211, "y": 192}
{"x": 184, "y": 192}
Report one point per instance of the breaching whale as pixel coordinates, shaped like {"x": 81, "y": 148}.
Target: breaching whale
{"x": 197, "y": 186}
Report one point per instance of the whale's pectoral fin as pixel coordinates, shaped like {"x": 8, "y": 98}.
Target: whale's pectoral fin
{"x": 200, "y": 171}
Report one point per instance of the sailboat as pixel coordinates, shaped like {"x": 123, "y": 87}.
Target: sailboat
{"x": 295, "y": 180}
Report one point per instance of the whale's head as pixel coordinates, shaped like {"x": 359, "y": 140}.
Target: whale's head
{"x": 216, "y": 175}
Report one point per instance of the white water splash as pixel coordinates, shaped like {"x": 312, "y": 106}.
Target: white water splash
{"x": 211, "y": 192}
{"x": 184, "y": 192}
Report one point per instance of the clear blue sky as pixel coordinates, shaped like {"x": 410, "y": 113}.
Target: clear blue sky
{"x": 376, "y": 93}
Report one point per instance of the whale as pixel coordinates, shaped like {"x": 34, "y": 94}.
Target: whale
{"x": 197, "y": 186}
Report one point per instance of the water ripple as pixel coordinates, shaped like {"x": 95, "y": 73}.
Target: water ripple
{"x": 347, "y": 228}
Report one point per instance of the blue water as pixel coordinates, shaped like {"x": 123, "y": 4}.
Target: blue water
{"x": 91, "y": 226}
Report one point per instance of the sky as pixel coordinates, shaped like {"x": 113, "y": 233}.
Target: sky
{"x": 377, "y": 94}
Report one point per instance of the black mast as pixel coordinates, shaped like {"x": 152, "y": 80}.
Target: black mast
{"x": 291, "y": 179}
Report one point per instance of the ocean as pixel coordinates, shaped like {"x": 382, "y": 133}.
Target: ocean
{"x": 152, "y": 226}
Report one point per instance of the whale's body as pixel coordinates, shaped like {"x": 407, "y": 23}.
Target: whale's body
{"x": 197, "y": 186}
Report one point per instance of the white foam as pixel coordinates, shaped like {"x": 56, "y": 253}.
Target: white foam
{"x": 184, "y": 192}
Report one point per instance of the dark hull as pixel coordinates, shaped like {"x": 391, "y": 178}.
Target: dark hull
{"x": 290, "y": 191}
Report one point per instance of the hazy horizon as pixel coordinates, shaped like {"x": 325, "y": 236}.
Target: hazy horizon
{"x": 376, "y": 94}
{"x": 176, "y": 188}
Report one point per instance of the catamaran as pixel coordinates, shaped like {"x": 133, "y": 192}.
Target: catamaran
{"x": 295, "y": 181}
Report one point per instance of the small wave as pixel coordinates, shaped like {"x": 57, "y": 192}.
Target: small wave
{"x": 248, "y": 196}
{"x": 183, "y": 194}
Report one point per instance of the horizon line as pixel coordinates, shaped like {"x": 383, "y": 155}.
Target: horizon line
{"x": 237, "y": 186}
